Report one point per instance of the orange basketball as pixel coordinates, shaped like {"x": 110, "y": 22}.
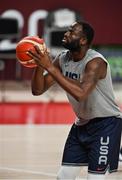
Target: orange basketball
{"x": 26, "y": 44}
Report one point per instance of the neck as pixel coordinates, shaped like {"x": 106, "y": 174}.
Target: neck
{"x": 79, "y": 55}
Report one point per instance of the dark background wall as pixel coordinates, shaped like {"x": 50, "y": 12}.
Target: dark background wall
{"x": 104, "y": 15}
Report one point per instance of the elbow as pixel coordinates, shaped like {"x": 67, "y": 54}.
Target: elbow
{"x": 36, "y": 93}
{"x": 80, "y": 98}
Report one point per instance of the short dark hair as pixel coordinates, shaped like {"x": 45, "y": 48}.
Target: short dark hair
{"x": 87, "y": 30}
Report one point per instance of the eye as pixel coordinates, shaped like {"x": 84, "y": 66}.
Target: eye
{"x": 71, "y": 31}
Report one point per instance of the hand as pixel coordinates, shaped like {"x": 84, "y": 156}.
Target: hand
{"x": 41, "y": 59}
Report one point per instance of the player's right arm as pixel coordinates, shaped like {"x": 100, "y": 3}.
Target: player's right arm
{"x": 40, "y": 82}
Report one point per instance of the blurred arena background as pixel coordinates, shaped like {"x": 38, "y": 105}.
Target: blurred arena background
{"x": 33, "y": 129}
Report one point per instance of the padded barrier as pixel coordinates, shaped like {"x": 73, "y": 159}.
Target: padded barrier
{"x": 36, "y": 113}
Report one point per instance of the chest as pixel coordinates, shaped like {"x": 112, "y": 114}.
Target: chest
{"x": 73, "y": 70}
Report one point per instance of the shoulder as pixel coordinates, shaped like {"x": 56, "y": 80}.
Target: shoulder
{"x": 60, "y": 58}
{"x": 97, "y": 65}
{"x": 64, "y": 54}
{"x": 97, "y": 61}
{"x": 91, "y": 54}
{"x": 94, "y": 58}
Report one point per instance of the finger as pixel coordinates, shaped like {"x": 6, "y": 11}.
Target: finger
{"x": 30, "y": 53}
{"x": 48, "y": 50}
{"x": 38, "y": 50}
{"x": 33, "y": 56}
{"x": 32, "y": 61}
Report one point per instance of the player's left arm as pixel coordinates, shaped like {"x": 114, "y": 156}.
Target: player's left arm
{"x": 95, "y": 70}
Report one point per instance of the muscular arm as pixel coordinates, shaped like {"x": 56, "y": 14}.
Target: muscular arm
{"x": 95, "y": 70}
{"x": 40, "y": 82}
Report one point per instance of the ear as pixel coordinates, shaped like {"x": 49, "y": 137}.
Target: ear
{"x": 83, "y": 41}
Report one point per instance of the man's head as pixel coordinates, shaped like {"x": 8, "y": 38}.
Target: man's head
{"x": 78, "y": 35}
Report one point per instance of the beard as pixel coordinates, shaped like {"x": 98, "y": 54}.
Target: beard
{"x": 72, "y": 46}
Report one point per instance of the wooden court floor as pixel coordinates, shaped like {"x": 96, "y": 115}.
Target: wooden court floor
{"x": 35, "y": 152}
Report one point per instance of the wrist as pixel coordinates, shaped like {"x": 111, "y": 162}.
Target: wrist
{"x": 51, "y": 69}
{"x": 39, "y": 69}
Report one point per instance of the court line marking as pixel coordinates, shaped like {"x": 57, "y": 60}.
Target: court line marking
{"x": 28, "y": 171}
{"x": 33, "y": 172}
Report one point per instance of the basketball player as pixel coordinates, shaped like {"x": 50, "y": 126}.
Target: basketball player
{"x": 94, "y": 138}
